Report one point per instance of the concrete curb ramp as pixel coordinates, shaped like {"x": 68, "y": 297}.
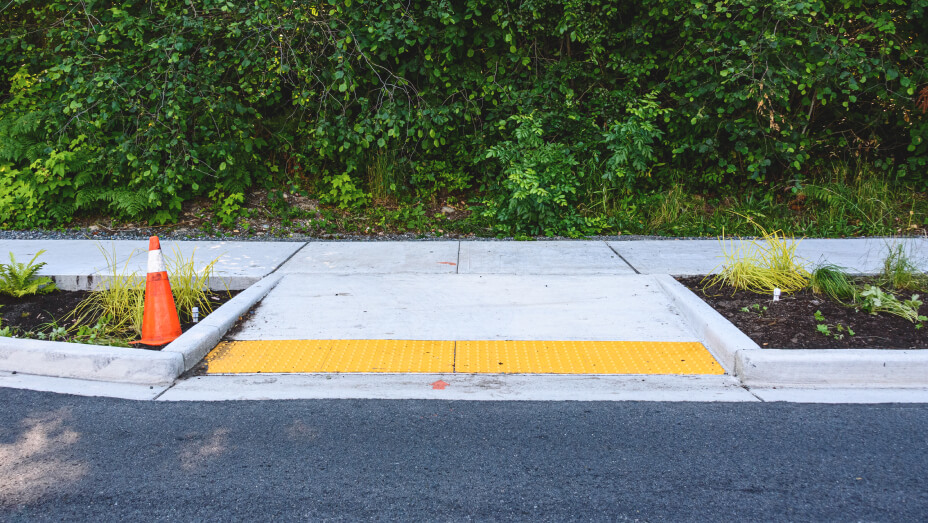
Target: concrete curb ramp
{"x": 127, "y": 365}
{"x": 460, "y": 266}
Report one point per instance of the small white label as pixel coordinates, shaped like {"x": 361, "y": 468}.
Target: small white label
{"x": 776, "y": 294}
{"x": 195, "y": 313}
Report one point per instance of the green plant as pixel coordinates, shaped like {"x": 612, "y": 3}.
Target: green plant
{"x": 671, "y": 206}
{"x": 755, "y": 308}
{"x": 305, "y": 100}
{"x": 874, "y": 300}
{"x": 540, "y": 182}
{"x": 832, "y": 281}
{"x": 900, "y": 272}
{"x": 189, "y": 285}
{"x": 117, "y": 305}
{"x": 630, "y": 142}
{"x": 383, "y": 178}
{"x": 430, "y": 178}
{"x": 20, "y": 279}
{"x": 824, "y": 328}
{"x": 120, "y": 296}
{"x": 5, "y": 331}
{"x": 229, "y": 209}
{"x": 761, "y": 267}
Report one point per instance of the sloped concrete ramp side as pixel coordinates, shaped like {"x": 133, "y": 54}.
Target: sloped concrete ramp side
{"x": 697, "y": 257}
{"x": 84, "y": 264}
{"x": 719, "y": 335}
{"x": 467, "y": 307}
{"x": 540, "y": 257}
{"x": 129, "y": 365}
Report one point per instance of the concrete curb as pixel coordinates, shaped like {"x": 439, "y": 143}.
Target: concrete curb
{"x": 93, "y": 362}
{"x": 833, "y": 368}
{"x": 89, "y": 282}
{"x": 125, "y": 365}
{"x": 721, "y": 337}
{"x": 759, "y": 367}
{"x": 196, "y": 342}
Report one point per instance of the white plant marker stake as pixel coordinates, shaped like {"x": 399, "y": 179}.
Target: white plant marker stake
{"x": 776, "y": 294}
{"x": 195, "y": 312}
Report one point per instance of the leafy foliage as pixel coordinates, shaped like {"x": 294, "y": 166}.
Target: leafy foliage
{"x": 132, "y": 108}
{"x": 21, "y": 279}
{"x": 539, "y": 192}
{"x": 874, "y": 300}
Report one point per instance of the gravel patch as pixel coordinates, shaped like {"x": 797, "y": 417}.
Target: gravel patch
{"x": 188, "y": 234}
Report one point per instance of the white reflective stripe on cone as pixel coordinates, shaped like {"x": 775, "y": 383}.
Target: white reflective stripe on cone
{"x": 156, "y": 262}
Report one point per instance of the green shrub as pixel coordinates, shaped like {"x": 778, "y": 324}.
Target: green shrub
{"x": 21, "y": 279}
{"x": 133, "y": 109}
{"x": 539, "y": 188}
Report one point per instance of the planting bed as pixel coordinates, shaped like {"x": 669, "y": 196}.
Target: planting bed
{"x": 34, "y": 313}
{"x": 791, "y": 323}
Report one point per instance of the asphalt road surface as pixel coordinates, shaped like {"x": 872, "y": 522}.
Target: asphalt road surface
{"x": 75, "y": 458}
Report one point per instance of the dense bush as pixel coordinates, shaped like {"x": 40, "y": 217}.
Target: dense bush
{"x": 551, "y": 109}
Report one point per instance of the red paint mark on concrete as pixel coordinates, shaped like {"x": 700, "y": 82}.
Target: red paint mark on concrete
{"x": 439, "y": 385}
{"x": 447, "y": 263}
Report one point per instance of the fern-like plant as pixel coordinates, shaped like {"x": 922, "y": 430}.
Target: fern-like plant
{"x": 20, "y": 279}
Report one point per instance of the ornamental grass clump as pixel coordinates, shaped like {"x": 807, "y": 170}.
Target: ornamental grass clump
{"x": 901, "y": 272}
{"x": 189, "y": 285}
{"x": 761, "y": 267}
{"x": 121, "y": 297}
{"x": 832, "y": 281}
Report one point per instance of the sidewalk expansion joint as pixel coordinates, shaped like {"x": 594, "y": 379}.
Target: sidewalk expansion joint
{"x": 622, "y": 258}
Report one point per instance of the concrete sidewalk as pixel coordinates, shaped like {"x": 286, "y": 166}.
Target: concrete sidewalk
{"x": 482, "y": 290}
{"x": 81, "y": 264}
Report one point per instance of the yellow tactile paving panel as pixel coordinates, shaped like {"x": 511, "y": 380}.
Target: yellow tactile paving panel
{"x": 331, "y": 356}
{"x": 584, "y": 357}
{"x": 467, "y": 357}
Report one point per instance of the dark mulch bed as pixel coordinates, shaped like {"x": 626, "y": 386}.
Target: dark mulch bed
{"x": 35, "y": 313}
{"x": 790, "y": 323}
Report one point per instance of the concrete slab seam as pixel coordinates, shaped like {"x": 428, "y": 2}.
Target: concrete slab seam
{"x": 196, "y": 342}
{"x": 292, "y": 254}
{"x": 613, "y": 249}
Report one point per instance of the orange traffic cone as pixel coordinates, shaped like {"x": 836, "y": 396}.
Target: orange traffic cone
{"x": 160, "y": 324}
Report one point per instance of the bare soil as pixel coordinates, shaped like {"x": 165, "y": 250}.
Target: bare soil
{"x": 790, "y": 322}
{"x": 37, "y": 313}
